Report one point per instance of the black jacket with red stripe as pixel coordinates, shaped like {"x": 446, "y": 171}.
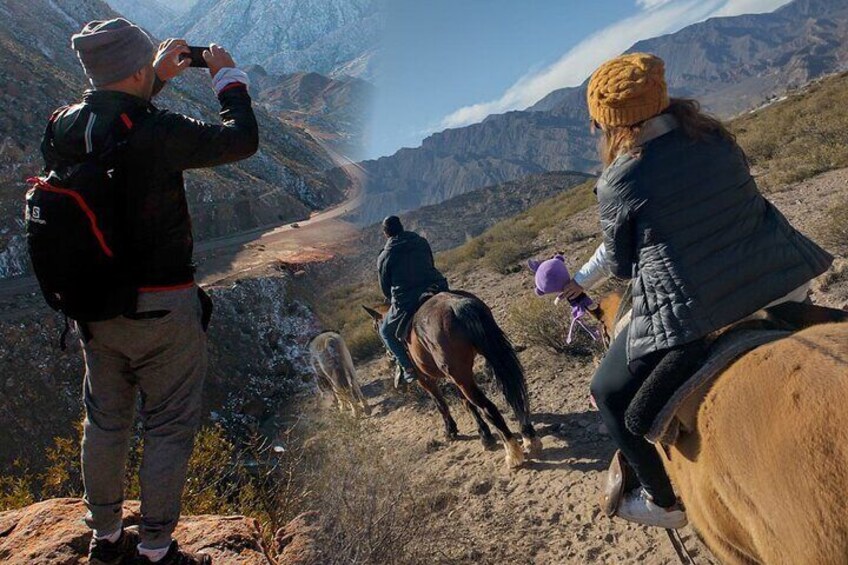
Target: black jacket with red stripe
{"x": 160, "y": 146}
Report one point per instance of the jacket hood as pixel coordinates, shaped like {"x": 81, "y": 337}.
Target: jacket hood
{"x": 404, "y": 238}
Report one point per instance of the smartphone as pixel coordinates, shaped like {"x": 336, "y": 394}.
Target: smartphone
{"x": 196, "y": 57}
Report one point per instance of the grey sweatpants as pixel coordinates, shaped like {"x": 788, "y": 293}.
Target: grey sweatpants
{"x": 165, "y": 360}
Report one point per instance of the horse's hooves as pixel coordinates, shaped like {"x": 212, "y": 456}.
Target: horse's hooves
{"x": 514, "y": 455}
{"x": 489, "y": 443}
{"x": 532, "y": 447}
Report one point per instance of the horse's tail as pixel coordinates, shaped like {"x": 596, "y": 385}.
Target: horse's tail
{"x": 481, "y": 329}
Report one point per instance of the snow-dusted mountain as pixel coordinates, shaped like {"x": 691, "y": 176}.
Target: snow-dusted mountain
{"x": 152, "y": 15}
{"x": 330, "y": 37}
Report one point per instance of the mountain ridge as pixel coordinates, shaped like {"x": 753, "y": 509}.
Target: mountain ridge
{"x": 803, "y": 40}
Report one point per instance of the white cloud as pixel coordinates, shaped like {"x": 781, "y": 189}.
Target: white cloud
{"x": 651, "y": 4}
{"x": 660, "y": 17}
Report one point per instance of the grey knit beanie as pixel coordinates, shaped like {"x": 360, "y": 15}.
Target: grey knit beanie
{"x": 112, "y": 50}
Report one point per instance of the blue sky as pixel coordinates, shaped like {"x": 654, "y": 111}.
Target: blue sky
{"x": 449, "y": 63}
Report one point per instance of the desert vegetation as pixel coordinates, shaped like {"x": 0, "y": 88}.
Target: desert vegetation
{"x": 799, "y": 137}
{"x": 368, "y": 507}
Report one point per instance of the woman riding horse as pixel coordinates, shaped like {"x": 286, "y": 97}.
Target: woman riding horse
{"x": 683, "y": 218}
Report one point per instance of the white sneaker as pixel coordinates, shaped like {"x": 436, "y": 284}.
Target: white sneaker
{"x": 637, "y": 506}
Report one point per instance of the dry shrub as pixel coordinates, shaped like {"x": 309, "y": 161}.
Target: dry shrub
{"x": 251, "y": 478}
{"x": 16, "y": 490}
{"x": 838, "y": 273}
{"x": 375, "y": 510}
{"x": 537, "y": 321}
{"x": 835, "y": 230}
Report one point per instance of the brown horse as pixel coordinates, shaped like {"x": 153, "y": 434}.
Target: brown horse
{"x": 764, "y": 473}
{"x": 448, "y": 332}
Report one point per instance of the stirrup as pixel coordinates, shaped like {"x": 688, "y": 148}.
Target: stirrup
{"x": 614, "y": 486}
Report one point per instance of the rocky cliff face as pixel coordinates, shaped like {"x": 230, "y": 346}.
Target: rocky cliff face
{"x": 731, "y": 64}
{"x": 257, "y": 343}
{"x": 52, "y": 532}
{"x": 282, "y": 182}
{"x": 331, "y": 37}
{"x": 152, "y": 15}
{"x": 333, "y": 110}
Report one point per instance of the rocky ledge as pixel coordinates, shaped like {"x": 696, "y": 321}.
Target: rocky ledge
{"x": 52, "y": 532}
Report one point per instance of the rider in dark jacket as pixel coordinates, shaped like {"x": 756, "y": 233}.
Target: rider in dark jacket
{"x": 407, "y": 271}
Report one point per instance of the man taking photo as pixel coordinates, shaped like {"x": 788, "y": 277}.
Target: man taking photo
{"x": 156, "y": 345}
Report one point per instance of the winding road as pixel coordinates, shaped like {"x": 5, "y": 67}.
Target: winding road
{"x": 223, "y": 259}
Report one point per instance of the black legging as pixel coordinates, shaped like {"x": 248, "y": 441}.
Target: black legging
{"x": 613, "y": 387}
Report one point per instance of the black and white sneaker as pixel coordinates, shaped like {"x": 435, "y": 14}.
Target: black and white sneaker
{"x": 637, "y": 506}
{"x": 176, "y": 556}
{"x": 121, "y": 552}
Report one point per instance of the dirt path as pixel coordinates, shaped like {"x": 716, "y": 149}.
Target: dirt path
{"x": 547, "y": 512}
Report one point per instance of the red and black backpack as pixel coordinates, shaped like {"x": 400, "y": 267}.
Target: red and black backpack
{"x": 75, "y": 230}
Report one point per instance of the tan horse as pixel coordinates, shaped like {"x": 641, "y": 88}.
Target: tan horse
{"x": 764, "y": 475}
{"x": 335, "y": 372}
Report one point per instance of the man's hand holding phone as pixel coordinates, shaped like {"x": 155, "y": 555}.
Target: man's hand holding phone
{"x": 217, "y": 58}
{"x": 171, "y": 60}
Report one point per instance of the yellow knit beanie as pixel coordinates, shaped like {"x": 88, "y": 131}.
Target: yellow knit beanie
{"x": 628, "y": 90}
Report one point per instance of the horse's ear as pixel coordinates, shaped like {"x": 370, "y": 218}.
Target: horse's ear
{"x": 373, "y": 313}
{"x": 533, "y": 265}
{"x": 560, "y": 256}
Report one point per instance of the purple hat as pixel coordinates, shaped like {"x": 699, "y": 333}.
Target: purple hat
{"x": 551, "y": 275}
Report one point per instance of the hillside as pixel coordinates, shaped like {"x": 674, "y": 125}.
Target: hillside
{"x": 453, "y": 222}
{"x": 333, "y": 110}
{"x": 548, "y": 512}
{"x": 284, "y": 181}
{"x": 732, "y": 64}
{"x": 330, "y": 37}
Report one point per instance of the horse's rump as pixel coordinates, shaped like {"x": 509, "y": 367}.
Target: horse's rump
{"x": 767, "y": 468}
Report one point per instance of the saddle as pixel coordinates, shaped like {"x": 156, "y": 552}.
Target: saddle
{"x": 662, "y": 419}
{"x": 404, "y": 330}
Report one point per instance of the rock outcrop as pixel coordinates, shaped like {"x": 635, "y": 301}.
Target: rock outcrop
{"x": 53, "y": 533}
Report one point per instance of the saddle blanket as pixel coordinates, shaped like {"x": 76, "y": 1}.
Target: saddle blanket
{"x": 680, "y": 410}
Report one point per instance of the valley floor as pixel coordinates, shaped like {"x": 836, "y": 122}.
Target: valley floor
{"x": 546, "y": 512}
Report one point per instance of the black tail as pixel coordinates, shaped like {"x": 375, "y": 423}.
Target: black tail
{"x": 488, "y": 338}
